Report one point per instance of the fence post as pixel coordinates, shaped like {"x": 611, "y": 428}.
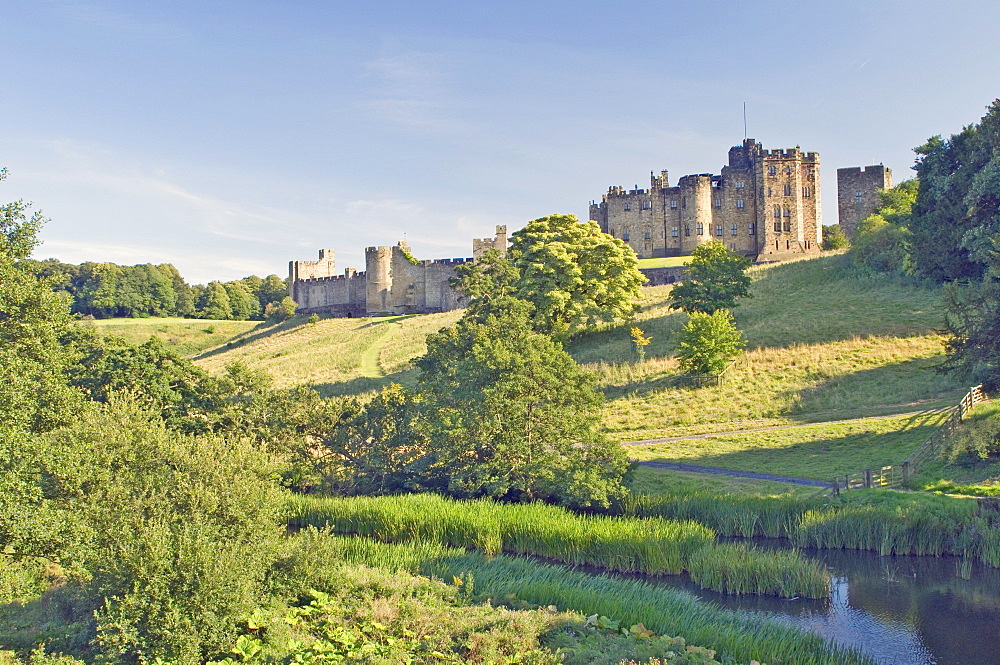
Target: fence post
{"x": 906, "y": 473}
{"x": 868, "y": 479}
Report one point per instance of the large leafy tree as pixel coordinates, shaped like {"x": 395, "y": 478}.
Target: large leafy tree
{"x": 882, "y": 240}
{"x": 958, "y": 196}
{"x": 572, "y": 274}
{"x": 714, "y": 280}
{"x": 512, "y": 416}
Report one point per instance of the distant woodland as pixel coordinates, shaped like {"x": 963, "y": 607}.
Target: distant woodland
{"x": 108, "y": 290}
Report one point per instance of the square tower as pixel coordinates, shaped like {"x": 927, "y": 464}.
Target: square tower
{"x": 857, "y": 194}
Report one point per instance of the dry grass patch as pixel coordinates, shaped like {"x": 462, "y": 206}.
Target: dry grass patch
{"x": 187, "y": 336}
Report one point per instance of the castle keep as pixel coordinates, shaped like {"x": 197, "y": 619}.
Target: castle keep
{"x": 765, "y": 204}
{"x": 393, "y": 282}
{"x": 857, "y": 194}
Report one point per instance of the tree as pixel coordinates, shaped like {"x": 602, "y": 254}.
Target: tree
{"x": 958, "y": 193}
{"x": 709, "y": 342}
{"x": 244, "y": 304}
{"x": 882, "y": 240}
{"x": 716, "y": 277}
{"x": 512, "y": 416}
{"x": 571, "y": 273}
{"x": 214, "y": 302}
{"x": 34, "y": 324}
{"x": 834, "y": 238}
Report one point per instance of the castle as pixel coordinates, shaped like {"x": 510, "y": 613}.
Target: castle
{"x": 765, "y": 205}
{"x": 393, "y": 282}
{"x": 857, "y": 194}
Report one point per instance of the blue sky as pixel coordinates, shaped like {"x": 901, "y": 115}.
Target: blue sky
{"x": 231, "y": 137}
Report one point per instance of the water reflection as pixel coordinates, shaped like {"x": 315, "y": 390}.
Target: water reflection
{"x": 900, "y": 610}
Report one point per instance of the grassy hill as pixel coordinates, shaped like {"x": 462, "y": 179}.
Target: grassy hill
{"x": 824, "y": 344}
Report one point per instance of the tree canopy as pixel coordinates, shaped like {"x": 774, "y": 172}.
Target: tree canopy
{"x": 572, "y": 274}
{"x": 513, "y": 416}
{"x": 709, "y": 342}
{"x": 714, "y": 280}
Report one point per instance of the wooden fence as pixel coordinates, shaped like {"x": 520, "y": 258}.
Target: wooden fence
{"x": 899, "y": 475}
{"x": 702, "y": 380}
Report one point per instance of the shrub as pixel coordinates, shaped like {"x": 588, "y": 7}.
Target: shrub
{"x": 709, "y": 342}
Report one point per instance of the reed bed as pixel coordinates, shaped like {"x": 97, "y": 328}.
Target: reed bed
{"x": 884, "y": 522}
{"x": 737, "y": 637}
{"x": 737, "y": 569}
{"x": 652, "y": 546}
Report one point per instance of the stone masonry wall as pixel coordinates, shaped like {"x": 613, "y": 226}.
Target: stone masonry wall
{"x": 857, "y": 193}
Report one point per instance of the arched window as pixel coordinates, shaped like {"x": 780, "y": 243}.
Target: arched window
{"x": 628, "y": 206}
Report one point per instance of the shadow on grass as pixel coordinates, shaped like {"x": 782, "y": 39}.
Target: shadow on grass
{"x": 262, "y": 330}
{"x": 824, "y": 457}
{"x": 891, "y": 388}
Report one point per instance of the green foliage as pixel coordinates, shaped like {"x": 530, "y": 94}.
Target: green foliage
{"x": 708, "y": 342}
{"x": 976, "y": 439}
{"x": 276, "y": 312}
{"x": 214, "y": 302}
{"x": 834, "y": 238}
{"x": 973, "y": 319}
{"x": 34, "y": 322}
{"x": 956, "y": 206}
{"x": 512, "y": 415}
{"x": 195, "y": 530}
{"x": 244, "y": 304}
{"x": 715, "y": 278}
{"x": 882, "y": 240}
{"x": 571, "y": 273}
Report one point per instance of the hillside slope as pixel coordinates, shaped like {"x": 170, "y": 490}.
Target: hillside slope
{"x": 824, "y": 343}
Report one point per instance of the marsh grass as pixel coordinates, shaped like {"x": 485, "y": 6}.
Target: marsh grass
{"x": 737, "y": 637}
{"x": 819, "y": 451}
{"x": 882, "y": 521}
{"x": 650, "y": 546}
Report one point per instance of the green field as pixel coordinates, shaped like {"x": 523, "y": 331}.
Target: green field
{"x": 664, "y": 262}
{"x": 187, "y": 336}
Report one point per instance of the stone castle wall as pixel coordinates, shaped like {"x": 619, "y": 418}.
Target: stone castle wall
{"x": 857, "y": 194}
{"x": 735, "y": 207}
{"x": 392, "y": 283}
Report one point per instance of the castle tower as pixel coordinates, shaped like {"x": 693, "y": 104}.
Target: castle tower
{"x": 378, "y": 288}
{"x": 482, "y": 245}
{"x": 789, "y": 217}
{"x": 857, "y": 194}
{"x": 299, "y": 270}
{"x": 695, "y": 210}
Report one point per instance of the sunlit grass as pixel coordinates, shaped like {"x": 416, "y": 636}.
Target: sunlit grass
{"x": 187, "y": 336}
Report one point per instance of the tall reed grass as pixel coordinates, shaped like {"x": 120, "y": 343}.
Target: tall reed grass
{"x": 738, "y": 637}
{"x": 651, "y": 545}
{"x": 880, "y": 521}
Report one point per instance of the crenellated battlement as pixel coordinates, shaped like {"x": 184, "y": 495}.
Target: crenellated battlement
{"x": 394, "y": 282}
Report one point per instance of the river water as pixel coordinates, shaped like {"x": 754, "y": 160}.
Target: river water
{"x": 900, "y": 610}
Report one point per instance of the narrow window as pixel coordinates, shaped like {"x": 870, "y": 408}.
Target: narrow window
{"x": 673, "y": 203}
{"x": 732, "y": 230}
{"x": 788, "y": 225}
{"x": 718, "y": 203}
{"x": 647, "y": 205}
{"x": 673, "y": 232}
{"x": 628, "y": 206}
{"x": 739, "y": 184}
{"x": 788, "y": 211}
{"x": 777, "y": 226}
{"x": 769, "y": 191}
{"x": 788, "y": 190}
{"x": 752, "y": 229}
{"x": 739, "y": 204}
{"x": 771, "y": 170}
{"x": 805, "y": 192}
{"x": 788, "y": 170}
{"x": 625, "y": 234}
{"x": 857, "y": 197}
{"x": 777, "y": 212}
{"x": 649, "y": 233}
{"x": 718, "y": 230}
{"x": 701, "y": 229}
{"x": 687, "y": 229}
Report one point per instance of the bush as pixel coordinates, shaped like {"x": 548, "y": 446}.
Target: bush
{"x": 709, "y": 342}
